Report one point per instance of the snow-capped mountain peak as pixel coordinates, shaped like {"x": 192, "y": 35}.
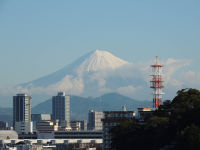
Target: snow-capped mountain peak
{"x": 101, "y": 60}
{"x": 95, "y": 73}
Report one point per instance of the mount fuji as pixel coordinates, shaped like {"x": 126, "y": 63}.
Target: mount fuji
{"x": 96, "y": 73}
{"x": 93, "y": 62}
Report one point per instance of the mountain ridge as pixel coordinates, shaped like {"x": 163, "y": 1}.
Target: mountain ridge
{"x": 106, "y": 102}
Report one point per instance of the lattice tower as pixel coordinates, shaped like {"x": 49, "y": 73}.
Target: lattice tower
{"x": 157, "y": 83}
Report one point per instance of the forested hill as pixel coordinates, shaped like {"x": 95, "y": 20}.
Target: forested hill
{"x": 174, "y": 126}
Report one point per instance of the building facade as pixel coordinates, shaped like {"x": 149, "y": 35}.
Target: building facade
{"x": 78, "y": 135}
{"x": 75, "y": 125}
{"x": 45, "y": 129}
{"x": 51, "y": 144}
{"x": 84, "y": 125}
{"x": 94, "y": 120}
{"x": 144, "y": 113}
{"x": 21, "y": 108}
{"x": 22, "y": 113}
{"x": 61, "y": 109}
{"x": 24, "y": 127}
{"x": 111, "y": 119}
{"x": 38, "y": 117}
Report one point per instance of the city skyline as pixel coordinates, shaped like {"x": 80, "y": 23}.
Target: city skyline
{"x": 99, "y": 74}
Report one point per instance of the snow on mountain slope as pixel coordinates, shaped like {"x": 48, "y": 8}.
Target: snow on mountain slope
{"x": 101, "y": 60}
{"x": 88, "y": 75}
{"x": 93, "y": 61}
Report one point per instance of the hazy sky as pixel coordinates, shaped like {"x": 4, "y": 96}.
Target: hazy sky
{"x": 41, "y": 36}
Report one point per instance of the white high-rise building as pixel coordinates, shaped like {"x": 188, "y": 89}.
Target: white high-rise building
{"x": 22, "y": 113}
{"x": 61, "y": 109}
{"x": 94, "y": 120}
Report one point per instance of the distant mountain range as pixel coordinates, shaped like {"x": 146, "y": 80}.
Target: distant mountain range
{"x": 80, "y": 106}
{"x": 93, "y": 74}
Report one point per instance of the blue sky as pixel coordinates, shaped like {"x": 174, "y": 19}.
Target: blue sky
{"x": 39, "y": 37}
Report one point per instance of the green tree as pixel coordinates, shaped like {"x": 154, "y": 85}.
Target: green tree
{"x": 189, "y": 138}
{"x": 186, "y": 108}
{"x": 175, "y": 125}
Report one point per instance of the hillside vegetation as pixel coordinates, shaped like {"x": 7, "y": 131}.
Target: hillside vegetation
{"x": 175, "y": 125}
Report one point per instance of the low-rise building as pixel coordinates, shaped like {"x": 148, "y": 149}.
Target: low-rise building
{"x": 144, "y": 113}
{"x": 31, "y": 135}
{"x": 75, "y": 125}
{"x": 83, "y": 124}
{"x": 51, "y": 144}
{"x": 38, "y": 117}
{"x": 78, "y": 134}
{"x": 111, "y": 119}
{"x": 23, "y": 127}
{"x": 45, "y": 129}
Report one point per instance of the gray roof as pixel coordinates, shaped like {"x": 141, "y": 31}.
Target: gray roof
{"x": 8, "y": 134}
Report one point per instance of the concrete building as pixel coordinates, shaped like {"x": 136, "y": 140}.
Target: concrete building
{"x": 84, "y": 125}
{"x": 22, "y": 113}
{"x": 61, "y": 109}
{"x": 38, "y": 117}
{"x": 78, "y": 134}
{"x": 21, "y": 108}
{"x": 94, "y": 120}
{"x": 23, "y": 127}
{"x": 51, "y": 144}
{"x": 75, "y": 125}
{"x": 144, "y": 113}
{"x": 111, "y": 119}
{"x": 45, "y": 129}
{"x": 32, "y": 135}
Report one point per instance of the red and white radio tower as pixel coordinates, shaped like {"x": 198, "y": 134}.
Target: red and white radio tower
{"x": 157, "y": 84}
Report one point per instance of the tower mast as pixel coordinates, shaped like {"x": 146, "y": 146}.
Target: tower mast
{"x": 157, "y": 83}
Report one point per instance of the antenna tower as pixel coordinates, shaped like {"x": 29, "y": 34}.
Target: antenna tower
{"x": 157, "y": 83}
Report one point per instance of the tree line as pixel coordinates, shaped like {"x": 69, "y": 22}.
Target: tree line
{"x": 175, "y": 125}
